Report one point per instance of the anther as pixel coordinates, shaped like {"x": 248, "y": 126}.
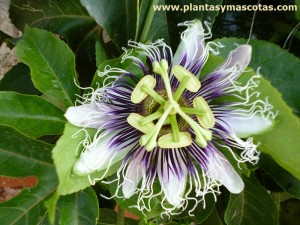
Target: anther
{"x": 186, "y": 79}
{"x": 134, "y": 120}
{"x": 207, "y": 119}
{"x": 167, "y": 141}
{"x": 144, "y": 88}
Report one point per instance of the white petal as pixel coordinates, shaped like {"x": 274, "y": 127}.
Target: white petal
{"x": 192, "y": 43}
{"x": 134, "y": 173}
{"x": 87, "y": 115}
{"x": 239, "y": 58}
{"x": 244, "y": 126}
{"x": 99, "y": 155}
{"x": 220, "y": 169}
{"x": 173, "y": 185}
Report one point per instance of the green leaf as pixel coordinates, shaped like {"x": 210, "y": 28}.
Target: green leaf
{"x": 285, "y": 180}
{"x": 119, "y": 21}
{"x": 164, "y": 24}
{"x": 79, "y": 208}
{"x": 18, "y": 80}
{"x": 64, "y": 156}
{"x": 52, "y": 64}
{"x": 100, "y": 53}
{"x": 276, "y": 65}
{"x": 213, "y": 219}
{"x": 200, "y": 214}
{"x": 253, "y": 206}
{"x": 30, "y": 114}
{"x": 298, "y": 11}
{"x": 21, "y": 156}
{"x": 280, "y": 142}
{"x": 69, "y": 20}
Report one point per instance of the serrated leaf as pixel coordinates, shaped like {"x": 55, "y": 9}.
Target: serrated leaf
{"x": 280, "y": 142}
{"x": 30, "y": 114}
{"x": 21, "y": 156}
{"x": 65, "y": 155}
{"x": 252, "y": 206}
{"x": 52, "y": 64}
{"x": 18, "y": 79}
{"x": 69, "y": 20}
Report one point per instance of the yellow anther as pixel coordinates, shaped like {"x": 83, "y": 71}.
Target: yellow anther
{"x": 207, "y": 119}
{"x": 140, "y": 91}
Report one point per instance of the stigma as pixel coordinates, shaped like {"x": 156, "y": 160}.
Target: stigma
{"x": 170, "y": 110}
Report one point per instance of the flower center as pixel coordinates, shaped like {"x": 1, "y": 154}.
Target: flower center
{"x": 169, "y": 109}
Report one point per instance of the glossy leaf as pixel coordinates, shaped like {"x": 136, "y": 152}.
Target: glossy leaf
{"x": 32, "y": 115}
{"x": 100, "y": 53}
{"x": 65, "y": 155}
{"x": 52, "y": 64}
{"x": 69, "y": 20}
{"x": 119, "y": 21}
{"x": 79, "y": 208}
{"x": 21, "y": 156}
{"x": 18, "y": 80}
{"x": 253, "y": 206}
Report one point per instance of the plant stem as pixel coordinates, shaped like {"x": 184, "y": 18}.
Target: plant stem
{"x": 120, "y": 217}
{"x": 148, "y": 22}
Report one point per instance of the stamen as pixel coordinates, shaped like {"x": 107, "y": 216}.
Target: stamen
{"x": 151, "y": 117}
{"x": 149, "y": 140}
{"x": 134, "y": 120}
{"x": 153, "y": 94}
{"x": 147, "y": 83}
{"x": 181, "y": 73}
{"x": 162, "y": 69}
{"x": 202, "y": 135}
{"x": 166, "y": 114}
{"x": 207, "y": 120}
{"x": 194, "y": 111}
{"x": 167, "y": 141}
{"x": 175, "y": 128}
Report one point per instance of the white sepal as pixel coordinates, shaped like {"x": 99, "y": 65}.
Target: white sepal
{"x": 99, "y": 155}
{"x": 221, "y": 170}
{"x": 244, "y": 126}
{"x": 87, "y": 115}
